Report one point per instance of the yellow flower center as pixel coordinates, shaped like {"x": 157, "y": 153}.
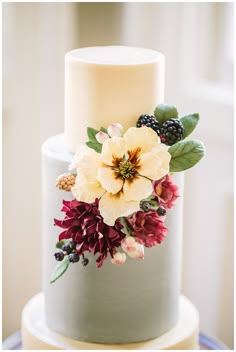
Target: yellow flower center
{"x": 126, "y": 169}
{"x": 158, "y": 190}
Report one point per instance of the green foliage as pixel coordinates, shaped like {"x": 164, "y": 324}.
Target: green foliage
{"x": 165, "y": 112}
{"x": 61, "y": 243}
{"x": 185, "y": 154}
{"x": 59, "y": 270}
{"x": 93, "y": 143}
{"x": 189, "y": 122}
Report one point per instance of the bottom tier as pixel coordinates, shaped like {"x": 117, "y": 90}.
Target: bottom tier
{"x": 36, "y": 335}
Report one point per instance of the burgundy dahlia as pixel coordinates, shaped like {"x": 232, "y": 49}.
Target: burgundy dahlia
{"x": 84, "y": 224}
{"x": 166, "y": 192}
{"x": 148, "y": 228}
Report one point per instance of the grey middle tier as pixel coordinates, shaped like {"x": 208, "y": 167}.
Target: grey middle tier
{"x": 134, "y": 302}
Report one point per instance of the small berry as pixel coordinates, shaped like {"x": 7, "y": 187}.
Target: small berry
{"x": 145, "y": 206}
{"x": 72, "y": 244}
{"x": 59, "y": 256}
{"x": 148, "y": 121}
{"x": 66, "y": 248}
{"x": 161, "y": 211}
{"x": 85, "y": 261}
{"x": 73, "y": 257}
{"x": 171, "y": 131}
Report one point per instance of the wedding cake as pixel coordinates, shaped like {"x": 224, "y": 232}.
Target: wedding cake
{"x": 113, "y": 282}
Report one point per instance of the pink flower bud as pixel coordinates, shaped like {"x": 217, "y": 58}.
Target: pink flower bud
{"x": 118, "y": 258}
{"x": 138, "y": 253}
{"x": 115, "y": 130}
{"x": 101, "y": 137}
{"x": 129, "y": 244}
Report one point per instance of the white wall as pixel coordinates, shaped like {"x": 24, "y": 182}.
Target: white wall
{"x": 35, "y": 39}
{"x": 198, "y": 78}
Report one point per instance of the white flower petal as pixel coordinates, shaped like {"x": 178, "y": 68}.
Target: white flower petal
{"x": 154, "y": 165}
{"x": 137, "y": 189}
{"x": 112, "y": 207}
{"x": 108, "y": 180}
{"x": 88, "y": 161}
{"x": 144, "y": 138}
{"x": 86, "y": 191}
{"x": 112, "y": 149}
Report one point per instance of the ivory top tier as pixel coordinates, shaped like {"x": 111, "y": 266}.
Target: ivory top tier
{"x": 109, "y": 84}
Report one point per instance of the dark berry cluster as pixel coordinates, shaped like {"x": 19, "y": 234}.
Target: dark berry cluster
{"x": 148, "y": 121}
{"x": 171, "y": 131}
{"x": 69, "y": 249}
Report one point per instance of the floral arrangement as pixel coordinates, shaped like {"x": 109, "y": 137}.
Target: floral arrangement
{"x": 123, "y": 188}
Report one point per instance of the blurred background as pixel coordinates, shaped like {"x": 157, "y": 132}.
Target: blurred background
{"x": 197, "y": 41}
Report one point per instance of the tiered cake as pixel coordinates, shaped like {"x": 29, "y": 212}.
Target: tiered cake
{"x": 110, "y": 307}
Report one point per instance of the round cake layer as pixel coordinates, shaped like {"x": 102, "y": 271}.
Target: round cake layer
{"x": 37, "y": 336}
{"x": 101, "y": 305}
{"x": 109, "y": 84}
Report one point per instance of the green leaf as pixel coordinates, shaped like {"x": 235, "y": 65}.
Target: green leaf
{"x": 185, "y": 154}
{"x": 103, "y": 129}
{"x": 59, "y": 270}
{"x": 189, "y": 122}
{"x": 95, "y": 145}
{"x": 165, "y": 112}
{"x": 61, "y": 243}
{"x": 91, "y": 132}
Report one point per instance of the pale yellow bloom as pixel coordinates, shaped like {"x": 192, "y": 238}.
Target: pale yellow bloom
{"x": 121, "y": 176}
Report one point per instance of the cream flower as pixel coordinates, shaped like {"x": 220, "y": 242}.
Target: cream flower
{"x": 121, "y": 176}
{"x": 87, "y": 188}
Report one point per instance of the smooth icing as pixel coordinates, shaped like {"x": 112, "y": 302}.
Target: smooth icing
{"x": 134, "y": 302}
{"x": 37, "y": 336}
{"x": 109, "y": 84}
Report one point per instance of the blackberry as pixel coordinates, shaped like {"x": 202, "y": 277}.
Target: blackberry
{"x": 73, "y": 257}
{"x": 171, "y": 131}
{"x": 149, "y": 121}
{"x": 161, "y": 211}
{"x": 59, "y": 256}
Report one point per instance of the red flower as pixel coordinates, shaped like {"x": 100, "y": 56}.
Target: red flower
{"x": 166, "y": 192}
{"x": 148, "y": 228}
{"x": 84, "y": 224}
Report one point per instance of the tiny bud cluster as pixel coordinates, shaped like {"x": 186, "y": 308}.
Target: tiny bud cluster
{"x": 65, "y": 182}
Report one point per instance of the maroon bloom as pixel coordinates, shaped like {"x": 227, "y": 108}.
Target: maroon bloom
{"x": 148, "y": 228}
{"x": 84, "y": 224}
{"x": 166, "y": 192}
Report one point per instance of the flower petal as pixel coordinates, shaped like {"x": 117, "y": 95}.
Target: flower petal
{"x": 138, "y": 189}
{"x": 154, "y": 165}
{"x": 112, "y": 148}
{"x": 85, "y": 190}
{"x": 87, "y": 162}
{"x": 108, "y": 180}
{"x": 144, "y": 138}
{"x": 112, "y": 207}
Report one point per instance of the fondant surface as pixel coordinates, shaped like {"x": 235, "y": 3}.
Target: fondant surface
{"x": 100, "y": 305}
{"x": 110, "y": 84}
{"x": 37, "y": 336}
